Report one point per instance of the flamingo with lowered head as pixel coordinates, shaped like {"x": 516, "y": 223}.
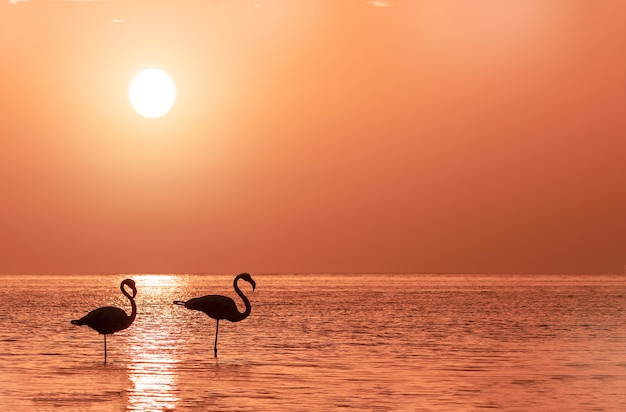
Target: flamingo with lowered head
{"x": 221, "y": 307}
{"x": 109, "y": 319}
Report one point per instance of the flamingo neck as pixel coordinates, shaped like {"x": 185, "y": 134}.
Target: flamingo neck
{"x": 243, "y": 297}
{"x": 133, "y": 305}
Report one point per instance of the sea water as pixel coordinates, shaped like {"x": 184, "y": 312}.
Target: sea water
{"x": 319, "y": 342}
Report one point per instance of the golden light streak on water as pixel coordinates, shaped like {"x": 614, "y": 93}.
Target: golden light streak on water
{"x": 154, "y": 377}
{"x": 152, "y": 370}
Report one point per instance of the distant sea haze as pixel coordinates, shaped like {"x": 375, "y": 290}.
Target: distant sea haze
{"x": 319, "y": 342}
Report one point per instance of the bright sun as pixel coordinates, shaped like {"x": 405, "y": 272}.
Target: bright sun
{"x": 152, "y": 93}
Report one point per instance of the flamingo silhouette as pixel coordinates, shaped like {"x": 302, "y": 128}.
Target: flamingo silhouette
{"x": 222, "y": 307}
{"x": 109, "y": 319}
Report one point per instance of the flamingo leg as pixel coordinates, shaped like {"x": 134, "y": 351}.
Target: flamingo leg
{"x": 105, "y": 348}
{"x": 217, "y": 325}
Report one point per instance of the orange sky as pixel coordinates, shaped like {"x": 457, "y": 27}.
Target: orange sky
{"x": 315, "y": 136}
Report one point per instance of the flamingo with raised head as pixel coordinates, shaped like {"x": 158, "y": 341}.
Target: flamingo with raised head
{"x": 109, "y": 319}
{"x": 222, "y": 307}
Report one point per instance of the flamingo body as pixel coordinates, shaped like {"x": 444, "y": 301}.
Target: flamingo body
{"x": 216, "y": 307}
{"x": 106, "y": 320}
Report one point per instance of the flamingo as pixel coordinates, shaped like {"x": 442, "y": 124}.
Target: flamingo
{"x": 109, "y": 319}
{"x": 221, "y": 307}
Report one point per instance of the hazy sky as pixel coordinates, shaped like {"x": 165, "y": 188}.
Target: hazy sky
{"x": 315, "y": 136}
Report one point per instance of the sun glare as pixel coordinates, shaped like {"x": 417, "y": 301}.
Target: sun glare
{"x": 152, "y": 93}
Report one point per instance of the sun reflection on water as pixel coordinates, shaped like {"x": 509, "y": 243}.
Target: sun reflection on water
{"x": 156, "y": 284}
{"x": 155, "y": 382}
{"x": 152, "y": 346}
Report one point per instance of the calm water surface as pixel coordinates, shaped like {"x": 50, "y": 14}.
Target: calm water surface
{"x": 320, "y": 342}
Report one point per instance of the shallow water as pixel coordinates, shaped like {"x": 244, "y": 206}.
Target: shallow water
{"x": 320, "y": 342}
